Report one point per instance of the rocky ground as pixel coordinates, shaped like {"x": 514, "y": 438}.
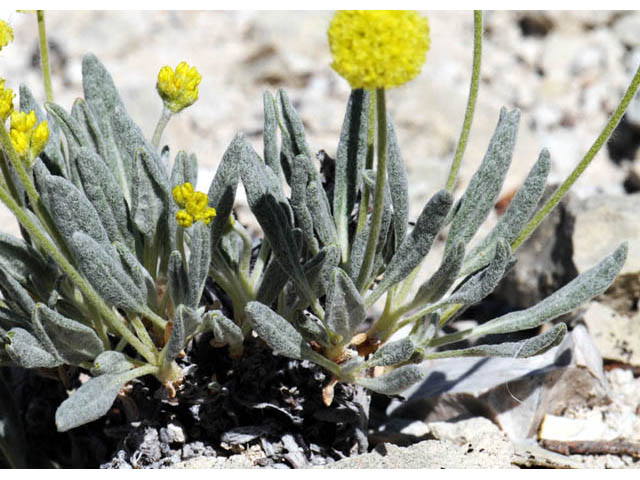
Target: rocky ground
{"x": 565, "y": 71}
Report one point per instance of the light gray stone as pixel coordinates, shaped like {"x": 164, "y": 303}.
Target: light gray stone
{"x": 513, "y": 393}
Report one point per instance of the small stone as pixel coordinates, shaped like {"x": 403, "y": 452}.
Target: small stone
{"x": 172, "y": 434}
{"x": 575, "y": 429}
{"x": 627, "y": 29}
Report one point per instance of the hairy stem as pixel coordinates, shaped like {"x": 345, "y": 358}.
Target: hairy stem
{"x": 160, "y": 126}
{"x": 371, "y": 131}
{"x": 44, "y": 56}
{"x": 378, "y": 199}
{"x": 471, "y": 102}
{"x": 584, "y": 163}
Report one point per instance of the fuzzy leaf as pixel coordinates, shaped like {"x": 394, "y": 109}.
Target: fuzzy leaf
{"x": 104, "y": 193}
{"x": 72, "y": 212}
{"x": 485, "y": 185}
{"x": 523, "y": 349}
{"x": 222, "y": 192}
{"x": 345, "y": 309}
{"x": 15, "y": 294}
{"x": 27, "y": 352}
{"x": 279, "y": 334}
{"x": 10, "y": 319}
{"x": 20, "y": 259}
{"x": 397, "y": 178}
{"x": 417, "y": 245}
{"x": 587, "y": 285}
{"x": 199, "y": 260}
{"x": 271, "y": 157}
{"x": 225, "y": 332}
{"x": 149, "y": 196}
{"x": 177, "y": 278}
{"x": 350, "y": 160}
{"x": 106, "y": 275}
{"x": 483, "y": 283}
{"x": 91, "y": 401}
{"x": 299, "y": 179}
{"x": 518, "y": 213}
{"x": 178, "y": 338}
{"x": 52, "y": 153}
{"x": 292, "y": 125}
{"x": 140, "y": 276}
{"x": 82, "y": 114}
{"x": 72, "y": 341}
{"x": 274, "y": 277}
{"x": 111, "y": 362}
{"x": 322, "y": 219}
{"x": 393, "y": 353}
{"x": 394, "y": 382}
{"x": 440, "y": 282}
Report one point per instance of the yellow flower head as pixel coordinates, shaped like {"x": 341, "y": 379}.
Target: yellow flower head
{"x": 378, "y": 48}
{"x": 193, "y": 205}
{"x": 27, "y": 138}
{"x": 6, "y": 101}
{"x": 6, "y": 34}
{"x": 178, "y": 89}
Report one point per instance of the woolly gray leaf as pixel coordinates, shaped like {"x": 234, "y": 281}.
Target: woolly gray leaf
{"x": 10, "y": 319}
{"x": 72, "y": 212}
{"x": 140, "y": 276}
{"x": 518, "y": 213}
{"x": 485, "y": 185}
{"x": 279, "y": 334}
{"x": 293, "y": 125}
{"x": 105, "y": 274}
{"x": 393, "y": 353}
{"x": 104, "y": 193}
{"x": 345, "y": 310}
{"x": 225, "y": 332}
{"x": 199, "y": 261}
{"x": 178, "y": 338}
{"x": 483, "y": 283}
{"x": 149, "y": 199}
{"x": 222, "y": 192}
{"x": 83, "y": 115}
{"x": 15, "y": 295}
{"x": 322, "y": 219}
{"x": 262, "y": 197}
{"x": 394, "y": 382}
{"x": 73, "y": 342}
{"x": 20, "y": 259}
{"x": 350, "y": 160}
{"x": 417, "y": 244}
{"x": 299, "y": 179}
{"x": 177, "y": 278}
{"x": 440, "y": 282}
{"x": 397, "y": 178}
{"x": 271, "y": 157}
{"x": 27, "y": 352}
{"x": 274, "y": 277}
{"x": 111, "y": 362}
{"x": 587, "y": 285}
{"x": 91, "y": 401}
{"x": 523, "y": 349}
{"x": 52, "y": 152}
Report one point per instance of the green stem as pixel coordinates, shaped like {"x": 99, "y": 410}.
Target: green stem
{"x": 378, "y": 199}
{"x": 160, "y": 126}
{"x": 584, "y": 163}
{"x": 471, "y": 102}
{"x": 371, "y": 131}
{"x": 44, "y": 56}
{"x": 87, "y": 290}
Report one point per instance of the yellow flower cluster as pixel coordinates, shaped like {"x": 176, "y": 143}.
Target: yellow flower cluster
{"x": 378, "y": 48}
{"x": 27, "y": 138}
{"x": 6, "y": 101}
{"x": 6, "y": 34}
{"x": 178, "y": 89}
{"x": 193, "y": 205}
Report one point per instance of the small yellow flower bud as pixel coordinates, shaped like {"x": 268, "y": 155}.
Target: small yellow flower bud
{"x": 378, "y": 48}
{"x": 6, "y": 101}
{"x": 182, "y": 194}
{"x": 178, "y": 89}
{"x": 6, "y": 34}
{"x": 184, "y": 219}
{"x": 194, "y": 205}
{"x": 28, "y": 139}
